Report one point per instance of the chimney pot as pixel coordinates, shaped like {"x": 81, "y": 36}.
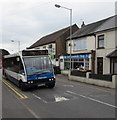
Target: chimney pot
{"x": 83, "y": 24}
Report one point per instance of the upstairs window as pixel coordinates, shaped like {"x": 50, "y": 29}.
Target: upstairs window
{"x": 67, "y": 46}
{"x": 50, "y": 46}
{"x": 44, "y": 47}
{"x": 80, "y": 44}
{"x": 101, "y": 41}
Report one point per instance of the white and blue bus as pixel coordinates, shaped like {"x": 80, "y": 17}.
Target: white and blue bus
{"x": 29, "y": 68}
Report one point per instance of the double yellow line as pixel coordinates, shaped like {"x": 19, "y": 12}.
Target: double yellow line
{"x": 16, "y": 91}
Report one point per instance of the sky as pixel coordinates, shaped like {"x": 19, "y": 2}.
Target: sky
{"x": 29, "y": 20}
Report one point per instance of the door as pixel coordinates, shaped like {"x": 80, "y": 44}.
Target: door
{"x": 100, "y": 65}
{"x": 114, "y": 66}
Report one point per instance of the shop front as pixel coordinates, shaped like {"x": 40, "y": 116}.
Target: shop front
{"x": 78, "y": 62}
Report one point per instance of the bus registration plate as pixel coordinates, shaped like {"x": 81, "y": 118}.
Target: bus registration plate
{"x": 40, "y": 85}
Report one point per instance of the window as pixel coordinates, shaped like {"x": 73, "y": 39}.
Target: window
{"x": 44, "y": 47}
{"x": 80, "y": 44}
{"x": 34, "y": 65}
{"x": 67, "y": 46}
{"x": 50, "y": 46}
{"x": 51, "y": 49}
{"x": 79, "y": 64}
{"x": 101, "y": 41}
{"x": 14, "y": 64}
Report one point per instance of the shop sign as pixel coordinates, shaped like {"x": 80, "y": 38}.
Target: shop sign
{"x": 51, "y": 56}
{"x": 84, "y": 56}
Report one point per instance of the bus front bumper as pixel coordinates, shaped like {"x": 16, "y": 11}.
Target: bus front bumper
{"x": 43, "y": 82}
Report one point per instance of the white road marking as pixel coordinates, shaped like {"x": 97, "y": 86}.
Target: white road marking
{"x": 30, "y": 110}
{"x": 98, "y": 101}
{"x": 40, "y": 98}
{"x": 68, "y": 85}
{"x": 56, "y": 98}
{"x": 60, "y": 98}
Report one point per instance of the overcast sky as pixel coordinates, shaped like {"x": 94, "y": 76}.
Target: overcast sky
{"x": 29, "y": 20}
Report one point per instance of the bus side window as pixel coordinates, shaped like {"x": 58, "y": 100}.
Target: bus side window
{"x": 7, "y": 64}
{"x": 21, "y": 68}
{"x": 16, "y": 65}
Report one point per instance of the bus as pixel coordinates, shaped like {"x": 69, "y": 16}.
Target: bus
{"x": 29, "y": 68}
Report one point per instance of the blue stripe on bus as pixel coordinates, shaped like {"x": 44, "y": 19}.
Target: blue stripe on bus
{"x": 42, "y": 76}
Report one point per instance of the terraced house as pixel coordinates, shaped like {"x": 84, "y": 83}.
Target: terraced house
{"x": 94, "y": 47}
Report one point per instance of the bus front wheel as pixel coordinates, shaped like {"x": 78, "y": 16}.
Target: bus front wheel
{"x": 21, "y": 86}
{"x": 51, "y": 85}
{"x": 5, "y": 76}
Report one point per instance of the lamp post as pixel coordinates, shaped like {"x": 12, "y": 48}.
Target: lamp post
{"x": 18, "y": 44}
{"x": 58, "y": 6}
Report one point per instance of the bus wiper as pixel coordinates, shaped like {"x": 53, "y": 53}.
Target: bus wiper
{"x": 42, "y": 73}
{"x": 38, "y": 73}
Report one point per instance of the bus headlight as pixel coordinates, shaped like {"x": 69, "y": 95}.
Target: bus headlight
{"x": 31, "y": 81}
{"x": 51, "y": 79}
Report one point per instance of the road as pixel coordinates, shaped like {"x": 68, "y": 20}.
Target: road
{"x": 68, "y": 99}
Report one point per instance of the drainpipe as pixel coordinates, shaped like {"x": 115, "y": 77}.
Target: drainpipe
{"x": 93, "y": 56}
{"x": 95, "y": 40}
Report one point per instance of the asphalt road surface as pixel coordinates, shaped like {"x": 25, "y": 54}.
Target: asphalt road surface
{"x": 68, "y": 99}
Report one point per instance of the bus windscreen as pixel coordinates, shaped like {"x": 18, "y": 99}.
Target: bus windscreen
{"x": 38, "y": 65}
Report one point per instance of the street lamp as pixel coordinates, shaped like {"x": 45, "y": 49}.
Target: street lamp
{"x": 18, "y": 44}
{"x": 58, "y": 6}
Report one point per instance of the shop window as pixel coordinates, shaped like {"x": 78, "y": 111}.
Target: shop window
{"x": 66, "y": 64}
{"x": 87, "y": 66}
{"x": 87, "y": 59}
{"x": 101, "y": 41}
{"x": 79, "y": 64}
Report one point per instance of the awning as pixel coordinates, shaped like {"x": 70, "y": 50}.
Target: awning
{"x": 112, "y": 54}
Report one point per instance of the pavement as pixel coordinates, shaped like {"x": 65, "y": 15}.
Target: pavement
{"x": 0, "y": 96}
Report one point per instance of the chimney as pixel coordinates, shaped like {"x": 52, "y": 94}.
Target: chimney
{"x": 83, "y": 24}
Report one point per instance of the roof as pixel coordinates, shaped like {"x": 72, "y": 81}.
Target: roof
{"x": 51, "y": 37}
{"x": 109, "y": 24}
{"x": 105, "y": 24}
{"x": 113, "y": 54}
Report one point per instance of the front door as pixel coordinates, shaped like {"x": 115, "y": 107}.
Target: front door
{"x": 114, "y": 66}
{"x": 100, "y": 65}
